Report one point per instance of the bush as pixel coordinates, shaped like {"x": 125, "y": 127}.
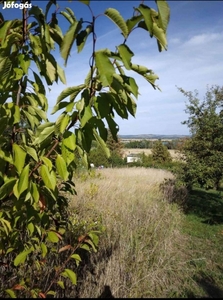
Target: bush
{"x": 160, "y": 153}
{"x": 174, "y": 192}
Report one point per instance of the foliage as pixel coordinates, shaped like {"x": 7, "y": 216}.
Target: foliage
{"x": 148, "y": 161}
{"x": 203, "y": 152}
{"x": 142, "y": 144}
{"x": 148, "y": 144}
{"x": 160, "y": 153}
{"x": 98, "y": 157}
{"x": 36, "y": 169}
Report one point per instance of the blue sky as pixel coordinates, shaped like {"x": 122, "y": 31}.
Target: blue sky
{"x": 194, "y": 59}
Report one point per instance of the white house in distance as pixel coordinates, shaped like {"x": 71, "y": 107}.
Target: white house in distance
{"x": 131, "y": 157}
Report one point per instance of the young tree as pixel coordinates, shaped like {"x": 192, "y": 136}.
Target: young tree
{"x": 160, "y": 153}
{"x": 98, "y": 157}
{"x": 36, "y": 172}
{"x": 203, "y": 152}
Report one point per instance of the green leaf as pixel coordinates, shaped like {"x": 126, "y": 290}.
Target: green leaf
{"x": 80, "y": 104}
{"x": 103, "y": 105}
{"x": 61, "y": 74}
{"x": 101, "y": 142}
{"x": 61, "y": 284}
{"x": 155, "y": 23}
{"x": 56, "y": 34}
{"x": 34, "y": 192}
{"x": 146, "y": 12}
{"x": 38, "y": 230}
{"x": 69, "y": 39}
{"x": 69, "y": 18}
{"x": 32, "y": 152}
{"x": 118, "y": 87}
{"x": 30, "y": 227}
{"x": 53, "y": 293}
{"x": 94, "y": 237}
{"x": 113, "y": 126}
{"x": 91, "y": 244}
{"x": 44, "y": 134}
{"x": 61, "y": 167}
{"x": 164, "y": 14}
{"x": 38, "y": 81}
{"x": 69, "y": 91}
{"x": 131, "y": 105}
{"x": 71, "y": 275}
{"x": 126, "y": 55}
{"x": 21, "y": 257}
{"x": 19, "y": 157}
{"x": 23, "y": 180}
{"x": 6, "y": 224}
{"x": 86, "y": 116}
{"x": 59, "y": 106}
{"x": 52, "y": 236}
{"x": 44, "y": 249}
{"x": 133, "y": 21}
{"x": 70, "y": 107}
{"x": 161, "y": 37}
{"x": 85, "y": 247}
{"x": 77, "y": 258}
{"x": 105, "y": 67}
{"x": 69, "y": 140}
{"x": 15, "y": 189}
{"x": 16, "y": 114}
{"x": 35, "y": 44}
{"x": 67, "y": 154}
{"x": 5, "y": 68}
{"x": 51, "y": 70}
{"x": 87, "y": 2}
{"x": 11, "y": 293}
{"x": 42, "y": 114}
{"x": 131, "y": 84}
{"x": 24, "y": 62}
{"x": 4, "y": 29}
{"x": 82, "y": 37}
{"x": 64, "y": 123}
{"x": 71, "y": 13}
{"x": 151, "y": 78}
{"x": 140, "y": 69}
{"x": 47, "y": 177}
{"x": 115, "y": 16}
{"x": 30, "y": 119}
{"x": 7, "y": 188}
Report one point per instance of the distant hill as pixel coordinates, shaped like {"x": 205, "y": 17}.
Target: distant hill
{"x": 152, "y": 136}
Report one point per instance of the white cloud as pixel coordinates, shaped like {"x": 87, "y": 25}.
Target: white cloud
{"x": 203, "y": 39}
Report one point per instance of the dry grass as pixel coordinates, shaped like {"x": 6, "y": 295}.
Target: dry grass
{"x": 174, "y": 153}
{"x": 141, "y": 252}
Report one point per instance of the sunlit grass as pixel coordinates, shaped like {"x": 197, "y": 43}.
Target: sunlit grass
{"x": 141, "y": 253}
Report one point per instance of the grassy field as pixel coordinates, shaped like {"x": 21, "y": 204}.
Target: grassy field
{"x": 125, "y": 151}
{"x": 149, "y": 248}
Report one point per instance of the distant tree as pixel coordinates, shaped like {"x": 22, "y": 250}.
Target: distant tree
{"x": 203, "y": 152}
{"x": 98, "y": 157}
{"x": 114, "y": 145}
{"x": 146, "y": 160}
{"x": 142, "y": 144}
{"x": 160, "y": 153}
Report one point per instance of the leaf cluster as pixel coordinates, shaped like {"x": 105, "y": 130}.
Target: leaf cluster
{"x": 38, "y": 158}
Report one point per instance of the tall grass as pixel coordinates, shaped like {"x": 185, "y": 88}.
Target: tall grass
{"x": 142, "y": 251}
